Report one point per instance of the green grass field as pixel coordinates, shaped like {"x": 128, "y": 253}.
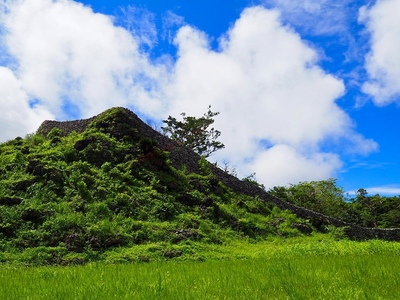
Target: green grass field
{"x": 303, "y": 268}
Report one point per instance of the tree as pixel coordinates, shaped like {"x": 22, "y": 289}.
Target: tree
{"x": 193, "y": 132}
{"x": 321, "y": 196}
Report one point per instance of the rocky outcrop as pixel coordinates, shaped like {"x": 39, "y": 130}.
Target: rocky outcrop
{"x": 180, "y": 156}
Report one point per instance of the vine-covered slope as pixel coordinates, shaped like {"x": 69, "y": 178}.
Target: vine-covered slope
{"x": 75, "y": 190}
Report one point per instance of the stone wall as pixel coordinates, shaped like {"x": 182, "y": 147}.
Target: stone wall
{"x": 317, "y": 219}
{"x": 66, "y": 127}
{"x": 180, "y": 156}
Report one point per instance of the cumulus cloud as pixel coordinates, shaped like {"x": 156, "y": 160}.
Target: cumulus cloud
{"x": 282, "y": 165}
{"x": 277, "y": 105}
{"x": 17, "y": 117}
{"x": 68, "y": 56}
{"x": 383, "y": 60}
{"x": 265, "y": 82}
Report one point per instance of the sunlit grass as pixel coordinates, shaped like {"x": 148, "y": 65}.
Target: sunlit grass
{"x": 292, "y": 269}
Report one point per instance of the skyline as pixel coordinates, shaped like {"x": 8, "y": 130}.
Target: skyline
{"x": 306, "y": 90}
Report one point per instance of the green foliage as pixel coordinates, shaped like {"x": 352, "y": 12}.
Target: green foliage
{"x": 54, "y": 133}
{"x": 193, "y": 132}
{"x": 76, "y": 198}
{"x": 374, "y": 210}
{"x": 327, "y": 198}
{"x": 306, "y": 268}
{"x": 116, "y": 122}
{"x": 321, "y": 196}
{"x": 337, "y": 233}
{"x": 252, "y": 179}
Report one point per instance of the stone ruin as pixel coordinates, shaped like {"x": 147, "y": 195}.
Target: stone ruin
{"x": 180, "y": 156}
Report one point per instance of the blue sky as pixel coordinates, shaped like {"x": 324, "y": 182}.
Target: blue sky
{"x": 307, "y": 90}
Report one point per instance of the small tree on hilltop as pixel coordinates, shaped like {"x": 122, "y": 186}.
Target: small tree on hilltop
{"x": 193, "y": 132}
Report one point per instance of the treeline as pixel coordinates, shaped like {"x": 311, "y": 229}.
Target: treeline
{"x": 326, "y": 197}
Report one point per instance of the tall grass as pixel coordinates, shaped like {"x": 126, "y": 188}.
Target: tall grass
{"x": 274, "y": 270}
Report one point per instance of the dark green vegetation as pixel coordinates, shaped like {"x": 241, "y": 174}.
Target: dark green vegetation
{"x": 327, "y": 198}
{"x": 114, "y": 192}
{"x": 110, "y": 190}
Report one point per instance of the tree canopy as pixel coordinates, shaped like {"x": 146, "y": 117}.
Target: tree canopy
{"x": 326, "y": 197}
{"x": 193, "y": 132}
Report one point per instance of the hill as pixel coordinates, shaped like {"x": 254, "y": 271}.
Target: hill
{"x": 74, "y": 190}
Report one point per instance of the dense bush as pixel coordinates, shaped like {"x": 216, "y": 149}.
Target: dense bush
{"x": 67, "y": 198}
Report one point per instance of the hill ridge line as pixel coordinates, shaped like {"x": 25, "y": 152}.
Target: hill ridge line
{"x": 180, "y": 156}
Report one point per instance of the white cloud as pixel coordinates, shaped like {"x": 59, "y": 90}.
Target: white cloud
{"x": 17, "y": 117}
{"x": 68, "y": 55}
{"x": 282, "y": 165}
{"x": 277, "y": 106}
{"x": 141, "y": 23}
{"x": 383, "y": 61}
{"x": 268, "y": 88}
{"x": 318, "y": 17}
{"x": 335, "y": 21}
{"x": 170, "y": 24}
{"x": 385, "y": 190}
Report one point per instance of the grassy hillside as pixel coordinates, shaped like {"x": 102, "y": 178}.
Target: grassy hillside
{"x": 71, "y": 198}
